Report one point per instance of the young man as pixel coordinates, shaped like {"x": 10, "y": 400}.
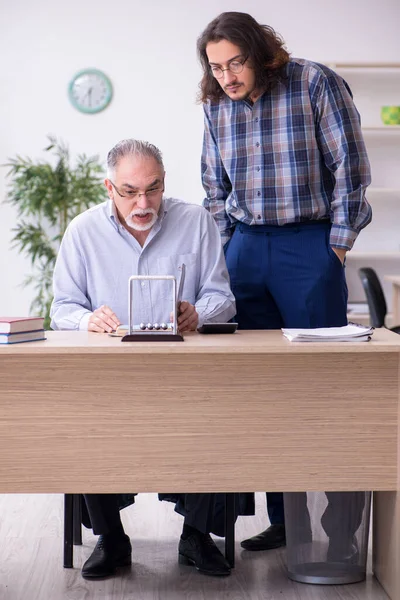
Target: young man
{"x": 140, "y": 232}
{"x": 285, "y": 170}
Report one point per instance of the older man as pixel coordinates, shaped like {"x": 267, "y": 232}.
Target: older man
{"x": 140, "y": 232}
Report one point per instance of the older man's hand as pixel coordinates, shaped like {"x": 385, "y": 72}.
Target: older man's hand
{"x": 103, "y": 320}
{"x": 188, "y": 319}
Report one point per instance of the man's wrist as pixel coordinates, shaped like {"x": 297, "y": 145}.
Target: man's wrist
{"x": 342, "y": 237}
{"x": 84, "y": 322}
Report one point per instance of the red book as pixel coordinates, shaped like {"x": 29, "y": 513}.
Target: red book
{"x": 19, "y": 324}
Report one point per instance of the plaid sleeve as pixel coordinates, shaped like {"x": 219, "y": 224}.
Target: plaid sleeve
{"x": 215, "y": 181}
{"x": 343, "y": 149}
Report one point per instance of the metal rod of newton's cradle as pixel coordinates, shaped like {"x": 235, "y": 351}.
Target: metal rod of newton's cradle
{"x": 152, "y": 278}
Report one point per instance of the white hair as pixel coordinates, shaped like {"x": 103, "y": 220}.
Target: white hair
{"x": 131, "y": 147}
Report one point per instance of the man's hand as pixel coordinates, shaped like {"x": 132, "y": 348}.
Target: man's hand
{"x": 188, "y": 318}
{"x": 103, "y": 320}
{"x": 340, "y": 253}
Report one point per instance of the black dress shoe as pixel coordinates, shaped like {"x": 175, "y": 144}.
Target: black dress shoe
{"x": 273, "y": 537}
{"x": 343, "y": 551}
{"x": 199, "y": 550}
{"x": 107, "y": 557}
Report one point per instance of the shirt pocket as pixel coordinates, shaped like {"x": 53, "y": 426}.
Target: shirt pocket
{"x": 170, "y": 265}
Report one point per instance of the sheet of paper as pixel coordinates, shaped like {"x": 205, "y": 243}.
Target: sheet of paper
{"x": 351, "y": 332}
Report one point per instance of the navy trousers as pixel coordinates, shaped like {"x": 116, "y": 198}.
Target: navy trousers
{"x": 286, "y": 276}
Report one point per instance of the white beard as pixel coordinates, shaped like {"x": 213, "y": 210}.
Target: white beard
{"x": 141, "y": 212}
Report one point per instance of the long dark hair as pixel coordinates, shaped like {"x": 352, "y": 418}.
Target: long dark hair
{"x": 263, "y": 46}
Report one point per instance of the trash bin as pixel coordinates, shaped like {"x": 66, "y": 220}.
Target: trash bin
{"x": 327, "y": 536}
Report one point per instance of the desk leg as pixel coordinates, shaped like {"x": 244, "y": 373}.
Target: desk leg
{"x": 230, "y": 529}
{"x": 386, "y": 540}
{"x": 77, "y": 519}
{"x": 68, "y": 530}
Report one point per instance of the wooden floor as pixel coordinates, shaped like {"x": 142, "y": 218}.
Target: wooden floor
{"x": 31, "y": 560}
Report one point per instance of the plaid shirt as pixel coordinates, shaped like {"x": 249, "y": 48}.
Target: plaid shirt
{"x": 297, "y": 154}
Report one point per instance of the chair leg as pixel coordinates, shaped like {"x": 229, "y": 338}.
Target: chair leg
{"x": 77, "y": 520}
{"x": 230, "y": 529}
{"x": 68, "y": 530}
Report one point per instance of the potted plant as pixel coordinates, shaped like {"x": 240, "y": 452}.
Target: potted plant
{"x": 47, "y": 196}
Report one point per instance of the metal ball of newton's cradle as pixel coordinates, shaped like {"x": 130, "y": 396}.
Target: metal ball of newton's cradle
{"x": 156, "y": 326}
{"x": 145, "y": 327}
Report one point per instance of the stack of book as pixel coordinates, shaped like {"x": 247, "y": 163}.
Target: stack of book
{"x": 14, "y": 330}
{"x": 349, "y": 333}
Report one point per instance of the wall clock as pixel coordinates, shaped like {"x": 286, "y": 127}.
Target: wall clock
{"x": 90, "y": 91}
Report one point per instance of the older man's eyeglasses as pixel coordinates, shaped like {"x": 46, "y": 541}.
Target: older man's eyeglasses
{"x": 235, "y": 66}
{"x": 133, "y": 195}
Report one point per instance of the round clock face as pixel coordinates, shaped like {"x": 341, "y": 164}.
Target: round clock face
{"x": 90, "y": 91}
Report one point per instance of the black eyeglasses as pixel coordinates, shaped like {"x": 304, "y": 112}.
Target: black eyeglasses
{"x": 152, "y": 192}
{"x": 235, "y": 66}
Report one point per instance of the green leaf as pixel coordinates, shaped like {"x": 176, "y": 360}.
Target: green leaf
{"x": 47, "y": 195}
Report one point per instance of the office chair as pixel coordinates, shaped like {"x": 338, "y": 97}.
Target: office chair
{"x": 375, "y": 298}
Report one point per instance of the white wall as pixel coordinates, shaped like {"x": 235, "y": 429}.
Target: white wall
{"x": 148, "y": 51}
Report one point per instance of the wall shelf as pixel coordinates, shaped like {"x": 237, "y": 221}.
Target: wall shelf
{"x": 376, "y": 84}
{"x": 363, "y": 67}
{"x": 379, "y": 196}
{"x": 383, "y": 190}
{"x": 382, "y": 128}
{"x": 360, "y": 318}
{"x": 354, "y": 255}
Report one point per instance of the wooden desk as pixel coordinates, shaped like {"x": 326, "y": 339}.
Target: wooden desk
{"x": 395, "y": 281}
{"x": 83, "y": 412}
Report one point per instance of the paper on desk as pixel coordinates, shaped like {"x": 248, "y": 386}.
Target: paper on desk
{"x": 360, "y": 338}
{"x": 348, "y": 333}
